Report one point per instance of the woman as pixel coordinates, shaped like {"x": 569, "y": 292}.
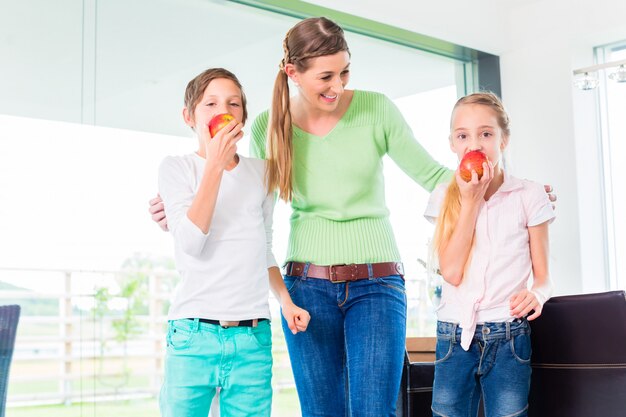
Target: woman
{"x": 324, "y": 149}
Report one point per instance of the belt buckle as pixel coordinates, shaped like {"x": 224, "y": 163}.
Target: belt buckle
{"x": 332, "y": 273}
{"x": 227, "y": 324}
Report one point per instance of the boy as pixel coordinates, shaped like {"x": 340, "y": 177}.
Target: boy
{"x": 220, "y": 216}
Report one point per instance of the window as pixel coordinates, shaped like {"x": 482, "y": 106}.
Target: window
{"x": 613, "y": 127}
{"x": 91, "y": 103}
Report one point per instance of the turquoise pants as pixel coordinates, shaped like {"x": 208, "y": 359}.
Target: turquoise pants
{"x": 202, "y": 357}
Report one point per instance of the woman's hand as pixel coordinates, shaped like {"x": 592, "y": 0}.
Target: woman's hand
{"x": 157, "y": 211}
{"x": 551, "y": 194}
{"x": 297, "y": 318}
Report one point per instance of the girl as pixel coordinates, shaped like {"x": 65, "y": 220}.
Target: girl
{"x": 220, "y": 215}
{"x": 491, "y": 234}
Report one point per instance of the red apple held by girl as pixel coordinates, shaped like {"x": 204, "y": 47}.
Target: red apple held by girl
{"x": 218, "y": 122}
{"x": 472, "y": 160}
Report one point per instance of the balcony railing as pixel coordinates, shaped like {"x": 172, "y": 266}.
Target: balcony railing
{"x": 69, "y": 349}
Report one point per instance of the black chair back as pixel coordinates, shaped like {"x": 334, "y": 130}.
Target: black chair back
{"x": 579, "y": 357}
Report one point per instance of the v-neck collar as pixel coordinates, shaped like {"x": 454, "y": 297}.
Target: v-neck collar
{"x": 301, "y": 132}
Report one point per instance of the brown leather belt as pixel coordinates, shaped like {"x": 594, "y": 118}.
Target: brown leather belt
{"x": 344, "y": 273}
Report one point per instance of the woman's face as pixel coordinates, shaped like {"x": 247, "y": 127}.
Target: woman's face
{"x": 321, "y": 86}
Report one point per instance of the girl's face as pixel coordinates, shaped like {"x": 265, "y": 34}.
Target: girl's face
{"x": 322, "y": 84}
{"x": 220, "y": 96}
{"x": 476, "y": 127}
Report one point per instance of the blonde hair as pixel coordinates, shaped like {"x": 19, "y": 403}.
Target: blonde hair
{"x": 310, "y": 38}
{"x": 451, "y": 205}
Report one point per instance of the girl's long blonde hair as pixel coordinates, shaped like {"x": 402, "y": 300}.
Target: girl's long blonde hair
{"x": 451, "y": 205}
{"x": 310, "y": 38}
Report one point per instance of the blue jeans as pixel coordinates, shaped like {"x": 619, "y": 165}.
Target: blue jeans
{"x": 201, "y": 357}
{"x": 497, "y": 365}
{"x": 349, "y": 361}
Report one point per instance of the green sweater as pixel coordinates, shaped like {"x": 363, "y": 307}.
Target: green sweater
{"x": 339, "y": 211}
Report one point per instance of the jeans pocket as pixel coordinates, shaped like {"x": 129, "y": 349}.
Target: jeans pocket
{"x": 291, "y": 283}
{"x": 394, "y": 282}
{"x": 262, "y": 335}
{"x": 520, "y": 347}
{"x": 443, "y": 351}
{"x": 178, "y": 338}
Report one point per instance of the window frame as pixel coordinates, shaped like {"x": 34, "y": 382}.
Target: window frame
{"x": 481, "y": 70}
{"x": 613, "y": 280}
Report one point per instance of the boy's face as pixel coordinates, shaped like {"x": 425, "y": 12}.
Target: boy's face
{"x": 220, "y": 96}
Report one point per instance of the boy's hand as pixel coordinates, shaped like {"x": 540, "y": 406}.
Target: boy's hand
{"x": 523, "y": 303}
{"x": 297, "y": 318}
{"x": 221, "y": 149}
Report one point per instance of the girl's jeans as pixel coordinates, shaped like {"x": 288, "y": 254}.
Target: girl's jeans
{"x": 497, "y": 365}
{"x": 349, "y": 360}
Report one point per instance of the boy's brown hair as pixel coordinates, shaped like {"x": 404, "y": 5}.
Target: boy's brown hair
{"x": 195, "y": 89}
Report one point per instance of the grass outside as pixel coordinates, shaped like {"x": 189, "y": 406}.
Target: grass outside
{"x": 285, "y": 401}
{"x": 285, "y": 404}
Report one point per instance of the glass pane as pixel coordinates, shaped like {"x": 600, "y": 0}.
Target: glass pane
{"x": 80, "y": 253}
{"x": 613, "y": 108}
{"x": 41, "y": 50}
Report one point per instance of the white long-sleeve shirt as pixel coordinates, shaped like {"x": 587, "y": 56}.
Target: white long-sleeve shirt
{"x": 224, "y": 272}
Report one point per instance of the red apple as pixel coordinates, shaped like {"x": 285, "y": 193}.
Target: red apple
{"x": 218, "y": 122}
{"x": 472, "y": 160}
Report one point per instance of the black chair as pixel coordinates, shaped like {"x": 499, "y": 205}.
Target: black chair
{"x": 9, "y": 316}
{"x": 579, "y": 357}
{"x": 416, "y": 387}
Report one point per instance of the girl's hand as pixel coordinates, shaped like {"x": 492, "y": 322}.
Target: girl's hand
{"x": 523, "y": 303}
{"x": 297, "y": 318}
{"x": 221, "y": 149}
{"x": 474, "y": 190}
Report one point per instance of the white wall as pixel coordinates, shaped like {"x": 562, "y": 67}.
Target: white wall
{"x": 554, "y": 138}
{"x": 559, "y": 123}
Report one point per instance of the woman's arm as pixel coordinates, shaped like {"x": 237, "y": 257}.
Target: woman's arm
{"x": 402, "y": 147}
{"x": 258, "y": 135}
